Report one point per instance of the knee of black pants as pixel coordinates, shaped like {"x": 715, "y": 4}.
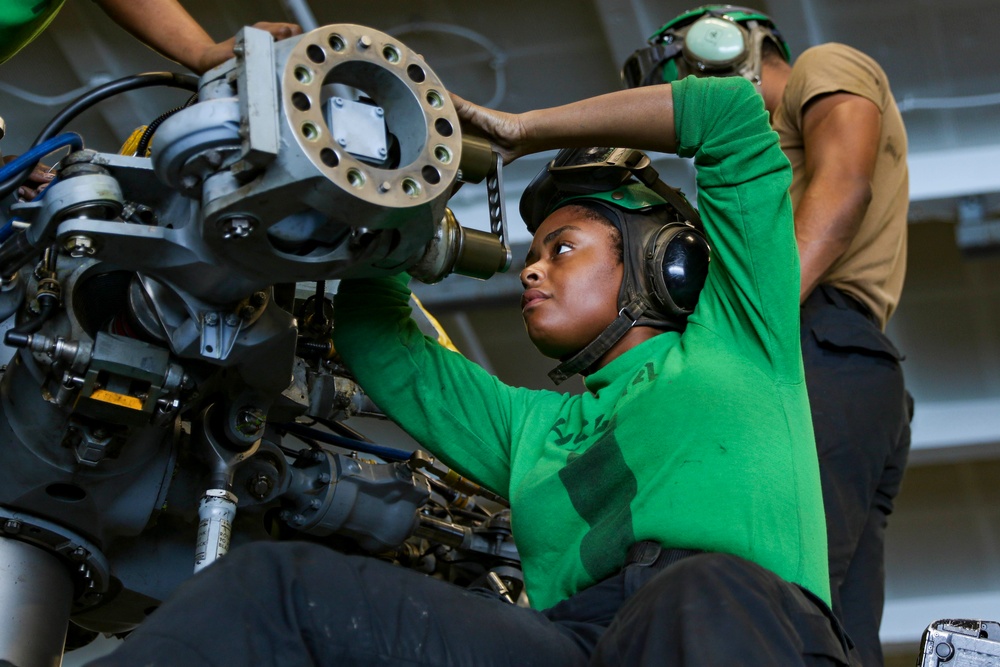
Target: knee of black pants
{"x": 268, "y": 572}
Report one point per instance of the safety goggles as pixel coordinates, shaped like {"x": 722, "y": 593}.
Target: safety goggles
{"x": 644, "y": 66}
{"x": 622, "y": 177}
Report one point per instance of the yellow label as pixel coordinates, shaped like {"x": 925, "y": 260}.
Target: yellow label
{"x": 115, "y": 398}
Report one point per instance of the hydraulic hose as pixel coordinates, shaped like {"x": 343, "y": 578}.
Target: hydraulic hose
{"x": 89, "y": 99}
{"x": 386, "y": 453}
{"x": 47, "y": 303}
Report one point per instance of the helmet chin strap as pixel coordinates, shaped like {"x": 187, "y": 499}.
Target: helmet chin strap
{"x": 597, "y": 348}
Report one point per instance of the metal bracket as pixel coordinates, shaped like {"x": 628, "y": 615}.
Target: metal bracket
{"x": 219, "y": 331}
{"x": 498, "y": 208}
{"x": 258, "y": 97}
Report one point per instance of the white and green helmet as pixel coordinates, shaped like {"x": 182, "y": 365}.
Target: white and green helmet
{"x": 713, "y": 40}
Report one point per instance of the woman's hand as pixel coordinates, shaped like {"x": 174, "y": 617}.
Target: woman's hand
{"x": 504, "y": 130}
{"x": 223, "y": 51}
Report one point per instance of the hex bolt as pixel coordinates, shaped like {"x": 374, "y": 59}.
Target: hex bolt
{"x": 12, "y": 526}
{"x": 258, "y": 299}
{"x": 260, "y": 486}
{"x": 79, "y": 246}
{"x": 232, "y": 319}
{"x": 315, "y": 503}
{"x": 323, "y": 478}
{"x": 236, "y": 227}
{"x": 211, "y": 319}
{"x": 247, "y": 312}
{"x": 250, "y": 420}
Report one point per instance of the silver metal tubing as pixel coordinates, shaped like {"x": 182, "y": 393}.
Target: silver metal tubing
{"x": 36, "y": 594}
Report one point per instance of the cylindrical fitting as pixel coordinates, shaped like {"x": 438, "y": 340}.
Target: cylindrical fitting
{"x": 457, "y": 249}
{"x": 216, "y": 512}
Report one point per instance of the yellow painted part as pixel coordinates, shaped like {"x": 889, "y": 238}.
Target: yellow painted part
{"x": 115, "y": 398}
{"x": 132, "y": 143}
{"x": 442, "y": 337}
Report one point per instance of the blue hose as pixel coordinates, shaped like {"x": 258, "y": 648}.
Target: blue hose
{"x": 28, "y": 160}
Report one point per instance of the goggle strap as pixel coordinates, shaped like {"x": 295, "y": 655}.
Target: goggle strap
{"x": 651, "y": 179}
{"x": 588, "y": 356}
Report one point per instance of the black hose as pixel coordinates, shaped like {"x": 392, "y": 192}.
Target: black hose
{"x": 47, "y": 303}
{"x": 147, "y": 135}
{"x": 92, "y": 97}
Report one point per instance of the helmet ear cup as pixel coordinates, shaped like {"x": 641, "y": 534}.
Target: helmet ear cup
{"x": 714, "y": 42}
{"x": 677, "y": 259}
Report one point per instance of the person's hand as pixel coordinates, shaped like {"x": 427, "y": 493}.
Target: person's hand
{"x": 504, "y": 130}
{"x": 39, "y": 179}
{"x": 223, "y": 51}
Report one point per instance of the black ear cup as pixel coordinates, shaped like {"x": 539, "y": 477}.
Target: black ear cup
{"x": 677, "y": 260}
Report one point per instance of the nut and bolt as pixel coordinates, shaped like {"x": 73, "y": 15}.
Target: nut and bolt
{"x": 258, "y": 299}
{"x": 260, "y": 485}
{"x": 232, "y": 319}
{"x": 236, "y": 227}
{"x": 250, "y": 421}
{"x": 211, "y": 319}
{"x": 80, "y": 246}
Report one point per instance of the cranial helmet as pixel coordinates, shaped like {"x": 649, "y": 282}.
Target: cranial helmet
{"x": 666, "y": 254}
{"x": 714, "y": 40}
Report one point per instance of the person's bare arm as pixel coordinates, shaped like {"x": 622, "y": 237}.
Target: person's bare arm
{"x": 166, "y": 27}
{"x": 841, "y": 138}
{"x": 641, "y": 118}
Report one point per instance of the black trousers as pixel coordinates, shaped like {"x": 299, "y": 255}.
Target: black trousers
{"x": 297, "y": 604}
{"x": 861, "y": 415}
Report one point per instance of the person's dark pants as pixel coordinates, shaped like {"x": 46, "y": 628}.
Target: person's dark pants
{"x": 861, "y": 416}
{"x": 293, "y": 604}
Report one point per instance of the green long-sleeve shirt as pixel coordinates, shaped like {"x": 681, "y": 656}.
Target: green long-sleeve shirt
{"x": 696, "y": 440}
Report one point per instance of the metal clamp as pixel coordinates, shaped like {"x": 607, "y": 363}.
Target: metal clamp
{"x": 498, "y": 208}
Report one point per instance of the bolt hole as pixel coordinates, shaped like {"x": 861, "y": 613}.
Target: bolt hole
{"x": 431, "y": 175}
{"x": 66, "y": 492}
{"x": 391, "y": 54}
{"x": 416, "y": 73}
{"x": 329, "y": 157}
{"x": 209, "y": 349}
{"x": 301, "y": 101}
{"x": 355, "y": 178}
{"x": 315, "y": 53}
{"x": 337, "y": 43}
{"x": 443, "y": 127}
{"x": 303, "y": 74}
{"x": 434, "y": 99}
{"x": 443, "y": 154}
{"x": 310, "y": 131}
{"x": 411, "y": 187}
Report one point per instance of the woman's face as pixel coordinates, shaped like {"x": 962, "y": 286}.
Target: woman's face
{"x": 571, "y": 280}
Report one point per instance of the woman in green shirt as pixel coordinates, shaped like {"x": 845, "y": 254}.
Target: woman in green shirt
{"x": 670, "y": 516}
